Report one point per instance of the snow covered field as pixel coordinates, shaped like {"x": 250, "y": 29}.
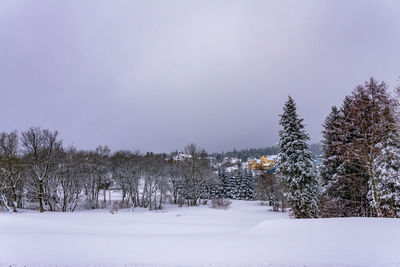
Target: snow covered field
{"x": 247, "y": 234}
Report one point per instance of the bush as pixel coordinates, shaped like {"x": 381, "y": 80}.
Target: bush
{"x": 114, "y": 208}
{"x": 220, "y": 203}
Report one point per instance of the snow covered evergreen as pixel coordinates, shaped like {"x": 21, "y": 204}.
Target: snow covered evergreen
{"x": 221, "y": 189}
{"x": 247, "y": 186}
{"x": 295, "y": 165}
{"x": 238, "y": 184}
{"x": 388, "y": 181}
{"x": 387, "y": 168}
{"x": 329, "y": 171}
{"x": 331, "y": 160}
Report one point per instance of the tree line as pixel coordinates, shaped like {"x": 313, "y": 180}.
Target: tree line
{"x": 37, "y": 172}
{"x": 245, "y": 154}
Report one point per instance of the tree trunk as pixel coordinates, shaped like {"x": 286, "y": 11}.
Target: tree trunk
{"x": 64, "y": 207}
{"x": 14, "y": 198}
{"x": 40, "y": 195}
{"x": 375, "y": 195}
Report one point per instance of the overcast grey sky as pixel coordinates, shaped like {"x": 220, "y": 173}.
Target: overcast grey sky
{"x": 157, "y": 75}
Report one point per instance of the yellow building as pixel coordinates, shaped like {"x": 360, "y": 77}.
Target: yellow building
{"x": 261, "y": 164}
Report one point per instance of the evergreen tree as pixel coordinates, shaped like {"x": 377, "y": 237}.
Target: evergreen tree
{"x": 329, "y": 171}
{"x": 236, "y": 183}
{"x": 352, "y": 187}
{"x": 331, "y": 160}
{"x": 387, "y": 167}
{"x": 231, "y": 185}
{"x": 295, "y": 164}
{"x": 247, "y": 186}
{"x": 221, "y": 189}
{"x": 240, "y": 184}
{"x": 388, "y": 183}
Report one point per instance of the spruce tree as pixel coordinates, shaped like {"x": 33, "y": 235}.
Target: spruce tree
{"x": 221, "y": 189}
{"x": 329, "y": 171}
{"x": 388, "y": 183}
{"x": 248, "y": 185}
{"x": 295, "y": 164}
{"x": 236, "y": 182}
{"x": 231, "y": 185}
{"x": 387, "y": 167}
{"x": 331, "y": 160}
{"x": 240, "y": 184}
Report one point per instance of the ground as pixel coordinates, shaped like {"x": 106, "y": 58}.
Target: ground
{"x": 247, "y": 234}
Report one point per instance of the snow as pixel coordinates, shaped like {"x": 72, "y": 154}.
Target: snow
{"x": 247, "y": 234}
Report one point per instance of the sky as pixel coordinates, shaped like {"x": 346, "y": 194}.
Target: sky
{"x": 158, "y": 75}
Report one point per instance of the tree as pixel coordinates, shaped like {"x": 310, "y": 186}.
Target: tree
{"x": 246, "y": 185}
{"x": 352, "y": 186}
{"x": 197, "y": 174}
{"x": 70, "y": 177}
{"x": 329, "y": 171}
{"x": 361, "y": 159}
{"x": 372, "y": 118}
{"x": 173, "y": 171}
{"x": 10, "y": 169}
{"x": 97, "y": 168}
{"x": 221, "y": 190}
{"x": 268, "y": 186}
{"x": 235, "y": 182}
{"x": 387, "y": 169}
{"x": 40, "y": 148}
{"x": 387, "y": 164}
{"x": 155, "y": 183}
{"x": 125, "y": 174}
{"x": 295, "y": 165}
{"x": 331, "y": 160}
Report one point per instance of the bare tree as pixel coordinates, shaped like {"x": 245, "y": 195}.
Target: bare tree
{"x": 197, "y": 174}
{"x": 98, "y": 173}
{"x": 40, "y": 148}
{"x": 126, "y": 172}
{"x": 174, "y": 173}
{"x": 269, "y": 187}
{"x": 10, "y": 167}
{"x": 71, "y": 177}
{"x": 367, "y": 124}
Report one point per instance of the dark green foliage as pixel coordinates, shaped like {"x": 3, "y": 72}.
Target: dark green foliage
{"x": 295, "y": 165}
{"x": 237, "y": 184}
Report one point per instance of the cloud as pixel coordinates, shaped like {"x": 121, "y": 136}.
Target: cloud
{"x": 158, "y": 75}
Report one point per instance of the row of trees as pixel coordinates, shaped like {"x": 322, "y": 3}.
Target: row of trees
{"x": 238, "y": 184}
{"x": 360, "y": 171}
{"x": 37, "y": 172}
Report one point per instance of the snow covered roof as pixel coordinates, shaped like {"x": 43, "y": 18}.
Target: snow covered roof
{"x": 182, "y": 156}
{"x": 232, "y": 160}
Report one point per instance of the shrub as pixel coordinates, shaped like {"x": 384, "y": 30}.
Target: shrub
{"x": 220, "y": 203}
